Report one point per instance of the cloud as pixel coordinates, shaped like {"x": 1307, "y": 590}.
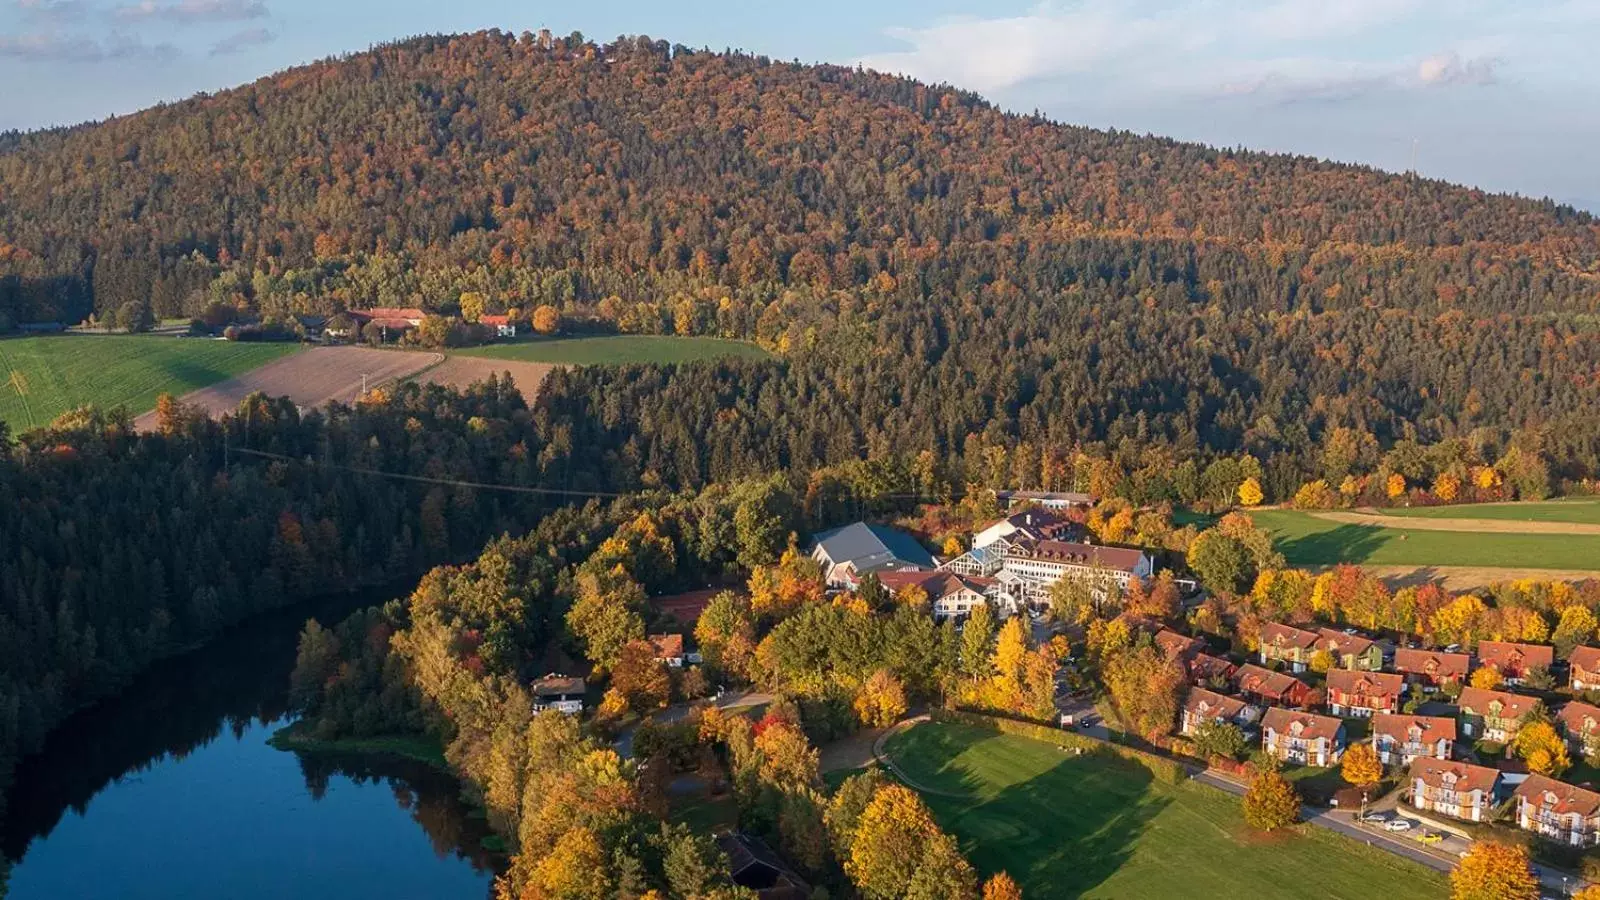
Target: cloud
{"x": 1450, "y": 68}
{"x": 53, "y": 12}
{"x": 51, "y": 46}
{"x": 1300, "y": 20}
{"x": 243, "y": 40}
{"x": 192, "y": 11}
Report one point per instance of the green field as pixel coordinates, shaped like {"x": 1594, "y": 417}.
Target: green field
{"x": 1099, "y": 826}
{"x": 1582, "y": 510}
{"x": 43, "y": 377}
{"x": 1305, "y": 540}
{"x": 619, "y": 349}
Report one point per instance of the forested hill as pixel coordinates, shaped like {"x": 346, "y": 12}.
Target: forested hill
{"x": 449, "y": 154}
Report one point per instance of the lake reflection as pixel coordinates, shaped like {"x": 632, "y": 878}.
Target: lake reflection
{"x": 170, "y": 791}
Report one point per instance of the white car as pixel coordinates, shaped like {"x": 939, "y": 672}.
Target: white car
{"x": 1397, "y": 825}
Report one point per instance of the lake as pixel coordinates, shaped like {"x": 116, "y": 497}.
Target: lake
{"x": 170, "y": 791}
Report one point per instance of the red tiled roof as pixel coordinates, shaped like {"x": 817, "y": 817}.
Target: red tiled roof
{"x": 557, "y": 685}
{"x": 668, "y": 646}
{"x": 1515, "y": 657}
{"x": 1466, "y": 777}
{"x": 1349, "y": 681}
{"x": 1342, "y": 644}
{"x": 1585, "y": 658}
{"x": 494, "y": 320}
{"x": 1253, "y": 679}
{"x": 1204, "y": 665}
{"x": 1579, "y": 718}
{"x": 1212, "y": 704}
{"x": 1175, "y": 644}
{"x": 1558, "y": 796}
{"x": 1310, "y": 725}
{"x": 1432, "y": 663}
{"x": 935, "y": 584}
{"x": 1432, "y": 728}
{"x": 1286, "y": 636}
{"x": 1477, "y": 700}
{"x": 1117, "y": 558}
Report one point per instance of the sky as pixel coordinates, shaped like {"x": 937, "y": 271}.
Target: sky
{"x": 1502, "y": 95}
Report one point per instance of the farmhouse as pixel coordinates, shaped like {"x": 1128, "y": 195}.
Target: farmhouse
{"x": 1352, "y": 693}
{"x": 1029, "y": 524}
{"x": 847, "y": 554}
{"x": 1401, "y": 739}
{"x": 392, "y": 320}
{"x": 1431, "y": 668}
{"x": 1302, "y": 737}
{"x": 1273, "y": 688}
{"x": 1580, "y": 722}
{"x": 1493, "y": 715}
{"x": 1350, "y": 650}
{"x": 669, "y": 649}
{"x": 952, "y": 596}
{"x": 559, "y": 692}
{"x": 1584, "y": 668}
{"x": 1515, "y": 661}
{"x": 1559, "y": 811}
{"x": 502, "y": 325}
{"x": 1287, "y": 644}
{"x": 1203, "y": 706}
{"x": 1457, "y": 789}
{"x": 1029, "y": 568}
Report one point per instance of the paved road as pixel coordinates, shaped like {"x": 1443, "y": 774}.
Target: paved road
{"x": 729, "y": 700}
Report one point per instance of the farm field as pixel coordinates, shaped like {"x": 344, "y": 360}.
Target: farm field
{"x": 619, "y": 349}
{"x": 1307, "y": 539}
{"x": 1099, "y": 826}
{"x": 43, "y": 377}
{"x": 459, "y": 371}
{"x": 1578, "y": 510}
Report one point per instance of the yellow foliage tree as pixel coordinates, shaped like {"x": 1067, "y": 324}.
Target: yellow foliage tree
{"x": 1447, "y": 487}
{"x": 1315, "y": 495}
{"x": 1395, "y": 487}
{"x": 1321, "y": 661}
{"x": 952, "y": 547}
{"x": 1270, "y": 802}
{"x": 1250, "y": 493}
{"x": 1486, "y": 478}
{"x": 1361, "y": 766}
{"x": 1494, "y": 871}
{"x": 1001, "y": 887}
{"x": 881, "y": 701}
{"x": 1538, "y": 744}
{"x": 575, "y": 869}
{"x": 1487, "y": 678}
{"x": 547, "y": 319}
{"x": 891, "y": 843}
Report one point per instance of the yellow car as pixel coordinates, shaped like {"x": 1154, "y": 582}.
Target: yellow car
{"x": 1431, "y": 837}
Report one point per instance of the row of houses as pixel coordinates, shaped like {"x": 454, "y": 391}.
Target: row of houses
{"x": 1553, "y": 809}
{"x": 1295, "y": 648}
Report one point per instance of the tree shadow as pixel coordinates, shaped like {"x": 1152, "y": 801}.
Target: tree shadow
{"x": 1344, "y": 544}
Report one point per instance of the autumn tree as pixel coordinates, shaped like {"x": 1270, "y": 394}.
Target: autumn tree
{"x": 644, "y": 681}
{"x": 1576, "y": 628}
{"x": 898, "y": 850}
{"x": 726, "y": 632}
{"x": 1250, "y": 493}
{"x": 1539, "y": 745}
{"x": 547, "y": 319}
{"x": 1487, "y": 678}
{"x": 606, "y": 615}
{"x": 976, "y": 638}
{"x": 1270, "y": 802}
{"x": 1215, "y": 738}
{"x": 1001, "y": 886}
{"x": 1361, "y": 766}
{"x": 1491, "y": 870}
{"x": 881, "y": 701}
{"x": 576, "y": 868}
{"x": 1145, "y": 685}
{"x": 473, "y": 305}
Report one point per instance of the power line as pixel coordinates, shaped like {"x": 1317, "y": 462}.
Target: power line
{"x": 424, "y": 479}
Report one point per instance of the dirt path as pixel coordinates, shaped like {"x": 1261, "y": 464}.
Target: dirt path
{"x": 1463, "y": 578}
{"x": 1494, "y": 526}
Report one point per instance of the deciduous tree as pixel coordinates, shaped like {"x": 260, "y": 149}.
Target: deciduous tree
{"x": 1494, "y": 871}
{"x": 1270, "y": 802}
{"x": 1361, "y": 766}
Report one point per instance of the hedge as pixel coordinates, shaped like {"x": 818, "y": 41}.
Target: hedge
{"x": 1164, "y": 770}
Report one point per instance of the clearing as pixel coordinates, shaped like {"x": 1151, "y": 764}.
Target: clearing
{"x": 619, "y": 349}
{"x": 43, "y": 377}
{"x": 1099, "y": 826}
{"x": 1311, "y": 539}
{"x": 309, "y": 378}
{"x": 1441, "y": 523}
{"x": 459, "y": 371}
{"x": 1577, "y": 510}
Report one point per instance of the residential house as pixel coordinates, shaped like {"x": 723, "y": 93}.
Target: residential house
{"x": 669, "y": 649}
{"x": 1514, "y": 661}
{"x": 1584, "y": 668}
{"x": 1056, "y": 500}
{"x": 1456, "y": 789}
{"x": 1352, "y": 693}
{"x": 953, "y": 596}
{"x": 502, "y": 325}
{"x": 1287, "y": 644}
{"x": 1559, "y": 811}
{"x": 1203, "y": 706}
{"x": 1029, "y": 568}
{"x": 559, "y": 692}
{"x": 1302, "y": 737}
{"x": 1203, "y": 667}
{"x": 1493, "y": 715}
{"x": 850, "y": 553}
{"x": 1580, "y": 722}
{"x": 1029, "y": 524}
{"x": 1401, "y": 739}
{"x": 1431, "y": 668}
{"x": 1350, "y": 650}
{"x": 1271, "y": 688}
{"x": 1175, "y": 645}
{"x": 752, "y": 865}
{"x": 392, "y": 320}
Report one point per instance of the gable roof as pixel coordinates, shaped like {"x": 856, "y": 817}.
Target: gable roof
{"x": 1432, "y": 663}
{"x": 1585, "y": 658}
{"x": 1579, "y": 718}
{"x": 1463, "y": 777}
{"x": 1309, "y": 726}
{"x": 1343, "y": 644}
{"x": 1174, "y": 644}
{"x": 668, "y": 646}
{"x": 1122, "y": 559}
{"x": 1398, "y": 728}
{"x": 1279, "y": 635}
{"x": 1560, "y": 797}
{"x": 559, "y": 686}
{"x": 937, "y": 585}
{"x": 1253, "y": 679}
{"x": 1204, "y": 665}
{"x": 494, "y": 319}
{"x": 1350, "y": 681}
{"x": 872, "y": 547}
{"x": 1477, "y": 700}
{"x": 1035, "y": 524}
{"x": 1502, "y": 654}
{"x": 1213, "y": 705}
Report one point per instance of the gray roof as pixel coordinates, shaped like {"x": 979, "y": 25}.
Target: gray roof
{"x": 873, "y": 547}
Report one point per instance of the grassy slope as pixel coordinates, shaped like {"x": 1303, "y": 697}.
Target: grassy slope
{"x": 620, "y": 349}
{"x": 1095, "y": 826}
{"x": 1582, "y": 510}
{"x": 1305, "y": 539}
{"x": 62, "y": 372}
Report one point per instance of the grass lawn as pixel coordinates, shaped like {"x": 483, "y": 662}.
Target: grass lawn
{"x": 1582, "y": 510}
{"x": 1099, "y": 826}
{"x": 1306, "y": 540}
{"x": 619, "y": 349}
{"x": 43, "y": 377}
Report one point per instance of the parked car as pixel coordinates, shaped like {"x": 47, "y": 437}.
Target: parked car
{"x": 1375, "y": 817}
{"x": 1431, "y": 838}
{"x": 1397, "y": 825}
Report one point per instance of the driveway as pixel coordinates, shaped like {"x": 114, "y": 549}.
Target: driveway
{"x": 730, "y": 700}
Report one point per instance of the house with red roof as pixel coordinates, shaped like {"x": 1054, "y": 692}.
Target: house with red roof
{"x": 1302, "y": 737}
{"x": 1493, "y": 715}
{"x": 1350, "y": 650}
{"x": 1203, "y": 706}
{"x": 1353, "y": 693}
{"x": 1287, "y": 644}
{"x": 1203, "y": 668}
{"x": 1456, "y": 789}
{"x": 1514, "y": 661}
{"x": 1271, "y": 688}
{"x": 1431, "y": 668}
{"x": 1401, "y": 739}
{"x": 1583, "y": 673}
{"x": 1559, "y": 811}
{"x": 1580, "y": 723}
